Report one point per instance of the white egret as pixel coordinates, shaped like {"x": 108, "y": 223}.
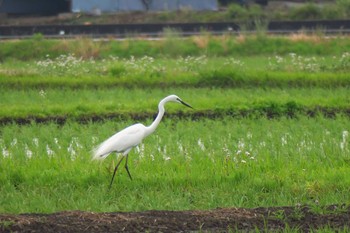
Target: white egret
{"x": 125, "y": 140}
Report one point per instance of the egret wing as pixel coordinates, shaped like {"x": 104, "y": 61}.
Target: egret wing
{"x": 121, "y": 141}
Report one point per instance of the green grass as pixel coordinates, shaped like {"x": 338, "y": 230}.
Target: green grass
{"x": 273, "y": 154}
{"x": 73, "y": 88}
{"x": 173, "y": 46}
{"x": 276, "y": 71}
{"x": 82, "y": 103}
{"x": 185, "y": 165}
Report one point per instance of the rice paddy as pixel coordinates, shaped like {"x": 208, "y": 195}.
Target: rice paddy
{"x": 243, "y": 163}
{"x": 265, "y": 131}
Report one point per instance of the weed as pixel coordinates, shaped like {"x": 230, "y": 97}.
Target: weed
{"x": 279, "y": 215}
{"x": 297, "y": 213}
{"x": 6, "y": 225}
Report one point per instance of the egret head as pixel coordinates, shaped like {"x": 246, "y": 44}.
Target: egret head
{"x": 177, "y": 99}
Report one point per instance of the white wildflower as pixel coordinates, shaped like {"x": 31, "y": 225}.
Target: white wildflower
{"x": 42, "y": 93}
{"x": 5, "y": 152}
{"x": 201, "y": 144}
{"x": 28, "y": 152}
{"x": 36, "y": 142}
{"x": 14, "y": 142}
{"x": 49, "y": 151}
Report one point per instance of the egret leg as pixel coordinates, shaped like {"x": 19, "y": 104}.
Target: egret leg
{"x": 126, "y": 167}
{"x": 115, "y": 170}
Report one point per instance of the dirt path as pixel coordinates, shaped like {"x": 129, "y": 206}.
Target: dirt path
{"x": 218, "y": 220}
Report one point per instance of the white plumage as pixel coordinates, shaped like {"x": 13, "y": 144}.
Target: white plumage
{"x": 125, "y": 140}
{"x": 121, "y": 141}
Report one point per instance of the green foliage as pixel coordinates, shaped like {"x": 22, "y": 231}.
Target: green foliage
{"x": 309, "y": 11}
{"x": 333, "y": 12}
{"x": 251, "y": 11}
{"x": 243, "y": 13}
{"x": 344, "y": 6}
{"x": 237, "y": 11}
{"x": 256, "y": 12}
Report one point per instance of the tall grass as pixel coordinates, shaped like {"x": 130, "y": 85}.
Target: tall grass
{"x": 199, "y": 165}
{"x": 171, "y": 46}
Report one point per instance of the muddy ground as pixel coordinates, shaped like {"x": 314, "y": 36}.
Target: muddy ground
{"x": 304, "y": 219}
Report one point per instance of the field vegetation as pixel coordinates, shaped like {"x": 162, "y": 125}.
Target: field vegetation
{"x": 173, "y": 46}
{"x": 201, "y": 165}
{"x": 270, "y": 125}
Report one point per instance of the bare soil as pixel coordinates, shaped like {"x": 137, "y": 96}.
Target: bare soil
{"x": 274, "y": 219}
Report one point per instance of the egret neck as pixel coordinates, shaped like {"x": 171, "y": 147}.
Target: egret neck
{"x": 161, "y": 110}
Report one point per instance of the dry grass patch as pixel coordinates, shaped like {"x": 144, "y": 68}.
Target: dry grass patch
{"x": 201, "y": 41}
{"x": 302, "y": 36}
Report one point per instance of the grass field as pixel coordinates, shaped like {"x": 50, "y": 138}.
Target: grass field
{"x": 266, "y": 130}
{"x": 185, "y": 165}
{"x": 86, "y": 104}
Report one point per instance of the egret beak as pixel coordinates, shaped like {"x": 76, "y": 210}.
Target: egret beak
{"x": 187, "y": 105}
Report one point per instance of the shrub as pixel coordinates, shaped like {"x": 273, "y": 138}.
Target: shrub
{"x": 344, "y": 5}
{"x": 256, "y": 12}
{"x": 332, "y": 11}
{"x": 308, "y": 11}
{"x": 236, "y": 11}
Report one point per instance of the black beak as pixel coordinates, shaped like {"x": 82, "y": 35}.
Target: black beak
{"x": 187, "y": 105}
